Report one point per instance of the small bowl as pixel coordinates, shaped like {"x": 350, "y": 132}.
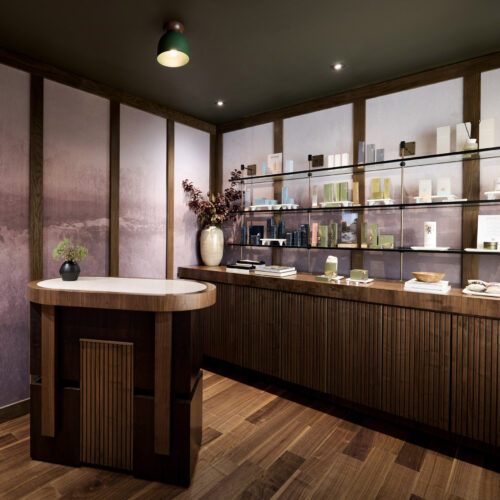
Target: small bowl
{"x": 429, "y": 277}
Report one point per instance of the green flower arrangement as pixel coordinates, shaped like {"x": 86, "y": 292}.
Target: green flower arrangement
{"x": 69, "y": 252}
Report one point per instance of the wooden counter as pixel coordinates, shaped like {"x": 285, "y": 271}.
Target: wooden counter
{"x": 115, "y": 365}
{"x": 431, "y": 361}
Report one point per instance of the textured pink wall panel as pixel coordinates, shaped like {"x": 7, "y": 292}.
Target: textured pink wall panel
{"x": 76, "y": 175}
{"x": 14, "y": 236}
{"x": 192, "y": 161}
{"x": 143, "y": 194}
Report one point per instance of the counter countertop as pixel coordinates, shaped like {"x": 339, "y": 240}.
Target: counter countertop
{"x": 379, "y": 292}
{"x": 137, "y": 294}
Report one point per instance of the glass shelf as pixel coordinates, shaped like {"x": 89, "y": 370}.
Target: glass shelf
{"x": 410, "y": 162}
{"x": 357, "y": 208}
{"x": 397, "y": 250}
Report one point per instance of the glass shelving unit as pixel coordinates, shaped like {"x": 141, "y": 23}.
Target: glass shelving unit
{"x": 404, "y": 174}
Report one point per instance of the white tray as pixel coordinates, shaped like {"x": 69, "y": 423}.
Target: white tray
{"x": 380, "y": 201}
{"x": 357, "y": 282}
{"x": 438, "y": 198}
{"x": 285, "y": 206}
{"x": 333, "y": 204}
{"x": 482, "y": 250}
{"x": 482, "y": 294}
{"x": 267, "y": 241}
{"x": 433, "y": 249}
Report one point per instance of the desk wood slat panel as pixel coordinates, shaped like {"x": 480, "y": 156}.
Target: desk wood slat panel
{"x": 106, "y": 410}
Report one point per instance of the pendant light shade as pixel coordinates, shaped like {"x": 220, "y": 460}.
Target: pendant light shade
{"x": 173, "y": 48}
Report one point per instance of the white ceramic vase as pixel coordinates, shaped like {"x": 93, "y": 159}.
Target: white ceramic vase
{"x": 211, "y": 245}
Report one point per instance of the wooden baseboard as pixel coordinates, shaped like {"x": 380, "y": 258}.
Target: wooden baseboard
{"x": 14, "y": 410}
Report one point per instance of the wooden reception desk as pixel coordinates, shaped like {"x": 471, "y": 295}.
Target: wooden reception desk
{"x": 422, "y": 360}
{"x": 115, "y": 365}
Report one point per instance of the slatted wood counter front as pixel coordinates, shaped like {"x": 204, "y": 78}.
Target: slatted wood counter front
{"x": 430, "y": 361}
{"x": 115, "y": 365}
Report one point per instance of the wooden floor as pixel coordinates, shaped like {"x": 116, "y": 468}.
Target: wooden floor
{"x": 260, "y": 442}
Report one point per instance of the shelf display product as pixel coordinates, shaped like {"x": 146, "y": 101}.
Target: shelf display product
{"x": 403, "y": 221}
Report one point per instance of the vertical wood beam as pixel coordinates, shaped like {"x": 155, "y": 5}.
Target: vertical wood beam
{"x": 114, "y": 188}
{"x": 163, "y": 382}
{"x": 170, "y": 197}
{"x": 471, "y": 177}
{"x": 36, "y": 177}
{"x": 358, "y": 134}
{"x": 277, "y": 252}
{"x": 216, "y": 180}
{"x": 48, "y": 370}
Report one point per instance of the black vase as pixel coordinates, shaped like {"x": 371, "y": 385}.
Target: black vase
{"x": 69, "y": 271}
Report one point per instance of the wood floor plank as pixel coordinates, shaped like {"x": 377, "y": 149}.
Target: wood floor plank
{"x": 268, "y": 444}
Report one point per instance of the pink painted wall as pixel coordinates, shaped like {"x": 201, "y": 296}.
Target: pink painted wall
{"x": 76, "y": 176}
{"x": 192, "y": 161}
{"x": 143, "y": 194}
{"x": 14, "y": 234}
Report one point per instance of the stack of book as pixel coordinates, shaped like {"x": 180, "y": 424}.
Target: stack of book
{"x": 276, "y": 271}
{"x": 245, "y": 266}
{"x": 441, "y": 287}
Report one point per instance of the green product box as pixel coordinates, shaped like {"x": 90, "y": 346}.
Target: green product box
{"x": 376, "y": 194}
{"x": 373, "y": 238}
{"x": 359, "y": 274}
{"x": 322, "y": 278}
{"x": 328, "y": 192}
{"x": 386, "y": 241}
{"x": 344, "y": 191}
{"x": 387, "y": 188}
{"x": 323, "y": 236}
{"x": 364, "y": 229}
{"x": 335, "y": 233}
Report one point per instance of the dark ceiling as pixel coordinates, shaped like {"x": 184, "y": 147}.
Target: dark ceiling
{"x": 256, "y": 55}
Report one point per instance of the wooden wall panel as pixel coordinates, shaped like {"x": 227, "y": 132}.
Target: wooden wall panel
{"x": 475, "y": 378}
{"x": 261, "y": 312}
{"x": 303, "y": 337}
{"x": 416, "y": 365}
{"x": 106, "y": 397}
{"x": 48, "y": 369}
{"x": 471, "y": 178}
{"x": 277, "y": 252}
{"x": 220, "y": 326}
{"x": 170, "y": 197}
{"x": 354, "y": 351}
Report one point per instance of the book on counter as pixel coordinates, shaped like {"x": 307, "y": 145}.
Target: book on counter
{"x": 278, "y": 271}
{"x": 245, "y": 266}
{"x": 441, "y": 287}
{"x": 258, "y": 264}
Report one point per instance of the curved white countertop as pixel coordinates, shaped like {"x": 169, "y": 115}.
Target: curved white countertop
{"x": 141, "y": 286}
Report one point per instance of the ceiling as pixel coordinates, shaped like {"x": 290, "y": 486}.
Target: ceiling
{"x": 257, "y": 55}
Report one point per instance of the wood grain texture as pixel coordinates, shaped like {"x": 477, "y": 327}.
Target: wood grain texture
{"x": 170, "y": 197}
{"x": 475, "y": 378}
{"x": 106, "y": 409}
{"x": 41, "y": 69}
{"x": 163, "y": 381}
{"x": 303, "y": 333}
{"x": 311, "y": 463}
{"x": 354, "y": 352}
{"x": 48, "y": 369}
{"x": 261, "y": 332}
{"x": 471, "y": 177}
{"x": 123, "y": 301}
{"x": 14, "y": 410}
{"x": 277, "y": 252}
{"x": 216, "y": 169}
{"x": 36, "y": 178}
{"x": 358, "y": 134}
{"x": 457, "y": 70}
{"x": 416, "y": 365}
{"x": 114, "y": 189}
{"x": 382, "y": 292}
{"x": 220, "y": 326}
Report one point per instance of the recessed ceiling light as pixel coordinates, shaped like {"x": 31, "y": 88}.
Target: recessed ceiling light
{"x": 337, "y": 66}
{"x": 219, "y": 103}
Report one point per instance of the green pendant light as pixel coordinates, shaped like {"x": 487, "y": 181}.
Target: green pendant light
{"x": 173, "y": 48}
